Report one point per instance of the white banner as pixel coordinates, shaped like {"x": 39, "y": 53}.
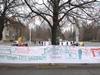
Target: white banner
{"x": 49, "y": 54}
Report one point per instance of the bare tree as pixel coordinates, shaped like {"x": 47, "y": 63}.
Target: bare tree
{"x": 54, "y": 12}
{"x": 7, "y": 7}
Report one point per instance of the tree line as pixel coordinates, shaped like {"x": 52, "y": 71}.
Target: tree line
{"x": 55, "y": 13}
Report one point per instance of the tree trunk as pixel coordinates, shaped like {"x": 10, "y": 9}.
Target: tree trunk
{"x": 1, "y": 26}
{"x": 55, "y": 39}
{"x": 55, "y": 27}
{"x": 1, "y": 30}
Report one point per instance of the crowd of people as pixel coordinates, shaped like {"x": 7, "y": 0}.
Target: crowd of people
{"x": 21, "y": 42}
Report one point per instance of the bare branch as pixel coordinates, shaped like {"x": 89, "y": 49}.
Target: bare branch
{"x": 81, "y": 4}
{"x": 48, "y": 7}
{"x": 38, "y": 14}
{"x": 66, "y": 13}
{"x": 62, "y": 5}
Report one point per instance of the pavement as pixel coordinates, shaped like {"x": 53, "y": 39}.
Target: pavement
{"x": 75, "y": 70}
{"x": 96, "y": 44}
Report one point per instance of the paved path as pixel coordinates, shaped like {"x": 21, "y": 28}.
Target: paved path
{"x": 97, "y": 44}
{"x": 50, "y": 71}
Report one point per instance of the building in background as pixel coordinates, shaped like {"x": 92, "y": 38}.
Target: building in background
{"x": 13, "y": 29}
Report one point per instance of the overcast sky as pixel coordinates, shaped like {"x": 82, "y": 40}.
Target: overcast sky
{"x": 37, "y": 21}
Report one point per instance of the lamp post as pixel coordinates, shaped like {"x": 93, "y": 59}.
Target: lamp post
{"x": 60, "y": 41}
{"x": 76, "y": 30}
{"x": 77, "y": 34}
{"x": 30, "y": 34}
